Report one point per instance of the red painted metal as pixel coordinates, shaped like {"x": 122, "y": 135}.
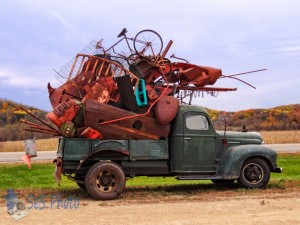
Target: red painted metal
{"x": 166, "y": 109}
{"x": 91, "y": 133}
{"x": 63, "y": 112}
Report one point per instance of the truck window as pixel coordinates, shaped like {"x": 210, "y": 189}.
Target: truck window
{"x": 197, "y": 122}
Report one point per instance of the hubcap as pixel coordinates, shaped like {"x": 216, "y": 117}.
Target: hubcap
{"x": 106, "y": 181}
{"x": 253, "y": 173}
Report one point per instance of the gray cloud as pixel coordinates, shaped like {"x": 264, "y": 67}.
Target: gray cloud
{"x": 235, "y": 36}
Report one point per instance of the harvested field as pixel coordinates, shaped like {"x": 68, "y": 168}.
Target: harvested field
{"x": 270, "y": 137}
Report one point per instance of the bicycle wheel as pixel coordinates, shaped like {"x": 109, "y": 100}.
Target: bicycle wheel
{"x": 133, "y": 59}
{"x": 148, "y": 42}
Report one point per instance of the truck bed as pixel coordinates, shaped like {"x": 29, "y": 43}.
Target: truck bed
{"x": 139, "y": 153}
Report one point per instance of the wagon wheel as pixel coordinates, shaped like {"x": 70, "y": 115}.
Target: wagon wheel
{"x": 105, "y": 181}
{"x": 255, "y": 173}
{"x": 148, "y": 42}
{"x": 164, "y": 67}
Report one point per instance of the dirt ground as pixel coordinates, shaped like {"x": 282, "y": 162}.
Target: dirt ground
{"x": 266, "y": 207}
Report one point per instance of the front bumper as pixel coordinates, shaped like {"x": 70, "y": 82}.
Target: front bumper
{"x": 278, "y": 170}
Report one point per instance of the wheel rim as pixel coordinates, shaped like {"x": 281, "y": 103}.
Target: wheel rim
{"x": 148, "y": 43}
{"x": 253, "y": 173}
{"x": 106, "y": 181}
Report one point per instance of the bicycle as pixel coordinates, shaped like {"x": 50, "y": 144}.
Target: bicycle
{"x": 146, "y": 42}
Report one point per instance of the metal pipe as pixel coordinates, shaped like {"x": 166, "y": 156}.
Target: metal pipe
{"x": 37, "y": 118}
{"x": 163, "y": 55}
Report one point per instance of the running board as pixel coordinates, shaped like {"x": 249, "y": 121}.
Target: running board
{"x": 198, "y": 177}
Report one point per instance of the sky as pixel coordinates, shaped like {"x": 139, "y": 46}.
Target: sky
{"x": 38, "y": 37}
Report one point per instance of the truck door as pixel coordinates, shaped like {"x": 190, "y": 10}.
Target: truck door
{"x": 199, "y": 142}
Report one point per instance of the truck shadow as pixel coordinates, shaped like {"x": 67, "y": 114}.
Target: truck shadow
{"x": 185, "y": 188}
{"x": 190, "y": 190}
{"x": 152, "y": 193}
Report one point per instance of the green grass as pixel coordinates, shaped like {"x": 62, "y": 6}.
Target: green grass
{"x": 18, "y": 176}
{"x": 39, "y": 176}
{"x": 291, "y": 167}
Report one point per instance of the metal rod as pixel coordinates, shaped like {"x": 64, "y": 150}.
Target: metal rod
{"x": 66, "y": 93}
{"x": 238, "y": 74}
{"x": 44, "y": 129}
{"x": 242, "y": 81}
{"x": 40, "y": 131}
{"x": 81, "y": 65}
{"x": 181, "y": 87}
{"x": 173, "y": 56}
{"x": 37, "y": 118}
{"x": 33, "y": 125}
{"x": 73, "y": 67}
{"x": 163, "y": 55}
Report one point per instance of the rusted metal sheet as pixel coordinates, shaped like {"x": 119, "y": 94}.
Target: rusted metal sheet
{"x": 197, "y": 75}
{"x": 135, "y": 127}
{"x": 98, "y": 92}
{"x": 69, "y": 90}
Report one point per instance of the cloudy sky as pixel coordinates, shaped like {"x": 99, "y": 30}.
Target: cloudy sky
{"x": 233, "y": 35}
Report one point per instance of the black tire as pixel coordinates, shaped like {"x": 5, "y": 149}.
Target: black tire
{"x": 105, "y": 181}
{"x": 223, "y": 182}
{"x": 255, "y": 173}
{"x": 148, "y": 36}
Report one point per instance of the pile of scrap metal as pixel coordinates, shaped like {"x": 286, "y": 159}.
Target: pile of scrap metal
{"x": 134, "y": 95}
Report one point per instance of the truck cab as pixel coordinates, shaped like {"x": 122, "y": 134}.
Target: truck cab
{"x": 194, "y": 150}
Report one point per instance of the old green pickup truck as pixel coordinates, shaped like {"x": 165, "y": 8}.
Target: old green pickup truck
{"x": 194, "y": 150}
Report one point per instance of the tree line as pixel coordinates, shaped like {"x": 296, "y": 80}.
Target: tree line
{"x": 279, "y": 118}
{"x": 11, "y": 129}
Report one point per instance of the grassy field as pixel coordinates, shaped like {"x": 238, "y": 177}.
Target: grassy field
{"x": 270, "y": 137}
{"x": 18, "y": 176}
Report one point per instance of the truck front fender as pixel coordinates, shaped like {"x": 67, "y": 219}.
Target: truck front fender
{"x": 231, "y": 161}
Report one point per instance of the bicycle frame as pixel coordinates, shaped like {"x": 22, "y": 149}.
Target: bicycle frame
{"x": 126, "y": 39}
{"x": 146, "y": 46}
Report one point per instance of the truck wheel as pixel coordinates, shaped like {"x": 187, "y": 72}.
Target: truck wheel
{"x": 255, "y": 173}
{"x": 105, "y": 181}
